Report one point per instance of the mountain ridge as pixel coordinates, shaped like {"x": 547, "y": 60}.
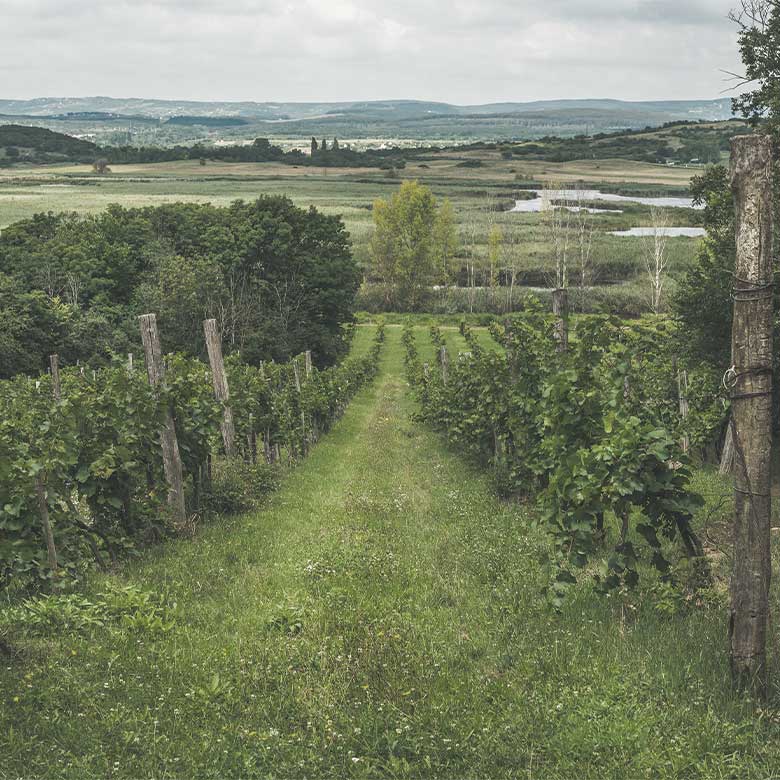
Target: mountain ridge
{"x": 47, "y": 107}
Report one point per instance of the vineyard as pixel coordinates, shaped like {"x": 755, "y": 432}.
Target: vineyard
{"x": 594, "y": 431}
{"x": 382, "y": 612}
{"x": 82, "y": 476}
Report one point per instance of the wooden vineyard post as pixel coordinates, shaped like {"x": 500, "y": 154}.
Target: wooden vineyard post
{"x": 267, "y": 449}
{"x": 155, "y": 368}
{"x": 297, "y": 375}
{"x": 129, "y": 362}
{"x": 220, "y": 382}
{"x": 56, "y": 387}
{"x": 682, "y": 394}
{"x": 251, "y": 440}
{"x": 727, "y": 456}
{"x": 561, "y": 312}
{"x": 445, "y": 364}
{"x": 309, "y": 372}
{"x": 43, "y": 509}
{"x": 751, "y": 409}
{"x": 304, "y": 434}
{"x": 40, "y": 477}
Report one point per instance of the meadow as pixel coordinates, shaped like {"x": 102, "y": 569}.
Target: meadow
{"x": 481, "y": 185}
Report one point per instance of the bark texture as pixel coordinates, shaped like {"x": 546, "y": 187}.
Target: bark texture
{"x": 155, "y": 368}
{"x": 751, "y": 416}
{"x": 220, "y": 382}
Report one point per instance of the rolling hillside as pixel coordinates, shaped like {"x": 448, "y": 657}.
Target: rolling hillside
{"x": 161, "y": 122}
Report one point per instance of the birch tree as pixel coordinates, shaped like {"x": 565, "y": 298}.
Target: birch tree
{"x": 655, "y": 255}
{"x": 583, "y": 234}
{"x": 558, "y": 220}
{"x": 511, "y": 263}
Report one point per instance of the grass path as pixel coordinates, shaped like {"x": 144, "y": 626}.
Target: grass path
{"x": 380, "y": 616}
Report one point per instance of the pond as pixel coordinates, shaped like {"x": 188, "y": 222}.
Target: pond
{"x": 575, "y": 196}
{"x": 671, "y": 232}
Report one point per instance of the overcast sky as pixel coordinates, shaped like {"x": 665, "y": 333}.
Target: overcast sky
{"x": 473, "y": 51}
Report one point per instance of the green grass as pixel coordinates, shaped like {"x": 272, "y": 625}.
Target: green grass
{"x": 350, "y": 194}
{"x": 380, "y": 616}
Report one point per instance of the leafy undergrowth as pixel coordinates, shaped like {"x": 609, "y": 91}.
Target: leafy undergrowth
{"x": 381, "y": 616}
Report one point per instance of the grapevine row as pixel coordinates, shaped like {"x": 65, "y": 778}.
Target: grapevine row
{"x": 91, "y": 463}
{"x": 593, "y": 431}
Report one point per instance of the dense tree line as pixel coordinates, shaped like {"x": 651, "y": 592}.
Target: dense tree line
{"x": 279, "y": 280}
{"x": 262, "y": 150}
{"x": 19, "y": 143}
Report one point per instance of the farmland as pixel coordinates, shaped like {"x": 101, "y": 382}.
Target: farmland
{"x": 370, "y": 619}
{"x": 410, "y": 439}
{"x": 480, "y": 183}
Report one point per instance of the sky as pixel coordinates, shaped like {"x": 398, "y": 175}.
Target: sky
{"x": 479, "y": 51}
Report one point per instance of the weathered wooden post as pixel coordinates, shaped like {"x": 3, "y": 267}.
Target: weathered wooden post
{"x": 682, "y": 395}
{"x": 56, "y": 387}
{"x": 315, "y": 434}
{"x": 445, "y": 364}
{"x": 251, "y": 440}
{"x": 304, "y": 432}
{"x": 297, "y": 376}
{"x": 40, "y": 478}
{"x": 727, "y": 456}
{"x": 220, "y": 382}
{"x": 129, "y": 362}
{"x": 43, "y": 509}
{"x": 170, "y": 446}
{"x": 560, "y": 301}
{"x": 751, "y": 409}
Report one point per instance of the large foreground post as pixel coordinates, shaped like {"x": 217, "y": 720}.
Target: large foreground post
{"x": 155, "y": 368}
{"x": 751, "y": 414}
{"x": 220, "y": 382}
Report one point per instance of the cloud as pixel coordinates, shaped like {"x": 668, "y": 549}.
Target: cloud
{"x": 458, "y": 50}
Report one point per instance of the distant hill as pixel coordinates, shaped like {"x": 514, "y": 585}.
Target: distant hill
{"x": 673, "y": 143}
{"x": 398, "y": 109}
{"x": 36, "y": 144}
{"x": 209, "y": 121}
{"x": 166, "y": 122}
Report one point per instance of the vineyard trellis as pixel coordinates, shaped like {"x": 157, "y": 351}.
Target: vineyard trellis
{"x": 81, "y": 466}
{"x": 594, "y": 430}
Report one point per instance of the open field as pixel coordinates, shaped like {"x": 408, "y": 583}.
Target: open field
{"x": 480, "y": 196}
